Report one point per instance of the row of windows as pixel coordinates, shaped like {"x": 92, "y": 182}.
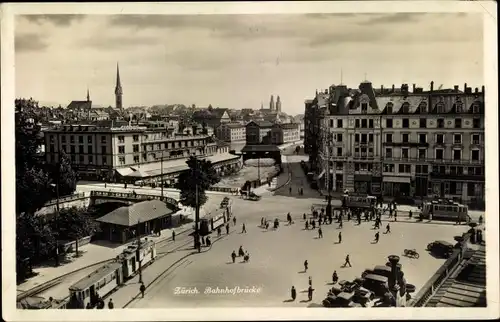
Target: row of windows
{"x": 81, "y": 139}
{"x": 438, "y": 154}
{"x": 81, "y": 159}
{"x": 71, "y": 149}
{"x": 440, "y": 138}
{"x": 369, "y": 123}
{"x": 419, "y": 168}
{"x": 150, "y": 157}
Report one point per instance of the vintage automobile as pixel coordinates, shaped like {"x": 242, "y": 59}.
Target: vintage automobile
{"x": 378, "y": 284}
{"x": 252, "y": 196}
{"x": 440, "y": 248}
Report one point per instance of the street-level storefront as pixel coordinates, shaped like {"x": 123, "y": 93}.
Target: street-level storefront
{"x": 363, "y": 183}
{"x": 397, "y": 186}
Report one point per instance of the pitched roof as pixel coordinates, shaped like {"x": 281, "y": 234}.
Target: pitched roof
{"x": 142, "y": 211}
{"x": 80, "y": 105}
{"x": 262, "y": 124}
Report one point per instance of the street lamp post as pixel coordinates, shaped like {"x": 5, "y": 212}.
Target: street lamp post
{"x": 197, "y": 204}
{"x": 58, "y": 169}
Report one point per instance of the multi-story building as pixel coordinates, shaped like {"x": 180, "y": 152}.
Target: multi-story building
{"x": 402, "y": 143}
{"x": 116, "y": 153}
{"x": 284, "y": 133}
{"x": 231, "y": 132}
{"x": 256, "y": 131}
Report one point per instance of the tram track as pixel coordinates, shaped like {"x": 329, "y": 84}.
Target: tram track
{"x": 56, "y": 281}
{"x": 171, "y": 268}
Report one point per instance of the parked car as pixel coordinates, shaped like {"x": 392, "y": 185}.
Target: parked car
{"x": 440, "y": 248}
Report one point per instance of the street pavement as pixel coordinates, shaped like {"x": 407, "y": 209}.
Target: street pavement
{"x": 276, "y": 258}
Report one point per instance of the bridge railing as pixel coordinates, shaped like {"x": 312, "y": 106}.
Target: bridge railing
{"x": 132, "y": 196}
{"x": 69, "y": 198}
{"x": 430, "y": 288}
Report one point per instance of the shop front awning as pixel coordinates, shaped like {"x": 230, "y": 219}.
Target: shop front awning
{"x": 396, "y": 179}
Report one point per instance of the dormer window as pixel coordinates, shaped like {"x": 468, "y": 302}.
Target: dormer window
{"x": 423, "y": 107}
{"x": 389, "y": 108}
{"x": 440, "y": 107}
{"x": 475, "y": 107}
{"x": 364, "y": 108}
{"x": 405, "y": 108}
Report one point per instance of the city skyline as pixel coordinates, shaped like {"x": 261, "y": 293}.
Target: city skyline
{"x": 239, "y": 61}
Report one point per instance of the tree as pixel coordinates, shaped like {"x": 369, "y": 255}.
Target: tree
{"x": 204, "y": 130}
{"x": 33, "y": 189}
{"x": 27, "y": 134}
{"x": 201, "y": 173}
{"x": 74, "y": 223}
{"x": 34, "y": 237}
{"x": 65, "y": 176}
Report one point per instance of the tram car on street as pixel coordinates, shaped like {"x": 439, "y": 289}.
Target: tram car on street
{"x": 445, "y": 210}
{"x": 93, "y": 288}
{"x": 358, "y": 201}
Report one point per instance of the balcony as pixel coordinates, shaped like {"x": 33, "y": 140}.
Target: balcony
{"x": 461, "y": 161}
{"x": 407, "y": 144}
{"x": 363, "y": 156}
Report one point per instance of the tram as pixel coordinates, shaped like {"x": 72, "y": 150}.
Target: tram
{"x": 358, "y": 201}
{"x": 445, "y": 210}
{"x": 88, "y": 291}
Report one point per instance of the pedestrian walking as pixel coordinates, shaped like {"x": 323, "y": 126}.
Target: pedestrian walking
{"x": 173, "y": 235}
{"x": 340, "y": 237}
{"x": 310, "y": 293}
{"x": 335, "y": 277}
{"x": 347, "y": 261}
{"x": 110, "y": 304}
{"x": 387, "y": 229}
{"x": 203, "y": 240}
{"x": 320, "y": 233}
{"x": 306, "y": 265}
{"x": 395, "y": 215}
{"x": 377, "y": 236}
{"x": 341, "y": 224}
{"x": 105, "y": 185}
{"x": 307, "y": 225}
{"x": 410, "y": 214}
{"x": 267, "y": 225}
{"x": 218, "y": 231}
{"x": 314, "y": 224}
{"x": 294, "y": 293}
{"x": 262, "y": 222}
{"x": 319, "y": 221}
{"x": 310, "y": 281}
{"x": 304, "y": 216}
{"x": 233, "y": 256}
{"x": 234, "y": 221}
{"x": 142, "y": 289}
{"x": 227, "y": 229}
{"x": 243, "y": 229}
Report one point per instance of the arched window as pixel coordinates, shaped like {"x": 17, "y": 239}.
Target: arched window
{"x": 422, "y": 107}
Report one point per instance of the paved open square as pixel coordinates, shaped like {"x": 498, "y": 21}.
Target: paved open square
{"x": 277, "y": 257}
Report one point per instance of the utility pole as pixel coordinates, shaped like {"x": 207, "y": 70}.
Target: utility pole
{"x": 139, "y": 250}
{"x": 161, "y": 179}
{"x": 197, "y": 204}
{"x": 58, "y": 172}
{"x": 258, "y": 168}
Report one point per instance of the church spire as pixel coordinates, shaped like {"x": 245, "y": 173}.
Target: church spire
{"x": 118, "y": 88}
{"x": 88, "y": 95}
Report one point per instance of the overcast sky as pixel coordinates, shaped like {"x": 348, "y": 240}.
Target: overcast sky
{"x": 239, "y": 61}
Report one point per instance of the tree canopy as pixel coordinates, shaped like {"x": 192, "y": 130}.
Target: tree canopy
{"x": 65, "y": 176}
{"x": 201, "y": 173}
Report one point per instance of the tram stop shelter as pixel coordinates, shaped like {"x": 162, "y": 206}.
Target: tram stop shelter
{"x": 125, "y": 223}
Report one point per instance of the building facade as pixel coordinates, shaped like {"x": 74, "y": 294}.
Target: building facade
{"x": 403, "y": 143}
{"x": 256, "y": 132}
{"x": 98, "y": 152}
{"x": 231, "y": 132}
{"x": 284, "y": 133}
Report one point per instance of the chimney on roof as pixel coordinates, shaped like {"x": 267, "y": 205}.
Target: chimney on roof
{"x": 465, "y": 88}
{"x": 393, "y": 88}
{"x": 381, "y": 88}
{"x": 482, "y": 89}
{"x": 432, "y": 86}
{"x": 476, "y": 90}
{"x": 455, "y": 88}
{"x": 414, "y": 86}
